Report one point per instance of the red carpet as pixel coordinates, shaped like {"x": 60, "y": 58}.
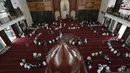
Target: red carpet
{"x": 24, "y": 47}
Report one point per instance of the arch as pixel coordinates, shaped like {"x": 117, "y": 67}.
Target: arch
{"x": 73, "y": 14}
{"x": 57, "y": 14}
{"x": 65, "y": 8}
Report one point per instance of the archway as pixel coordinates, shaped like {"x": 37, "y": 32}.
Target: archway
{"x": 65, "y": 8}
{"x": 73, "y": 14}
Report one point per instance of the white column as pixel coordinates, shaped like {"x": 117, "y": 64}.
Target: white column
{"x": 103, "y": 8}
{"x": 121, "y": 31}
{"x": 22, "y": 4}
{"x": 114, "y": 27}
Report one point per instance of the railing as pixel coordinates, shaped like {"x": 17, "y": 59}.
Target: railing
{"x": 5, "y": 25}
{"x": 122, "y": 21}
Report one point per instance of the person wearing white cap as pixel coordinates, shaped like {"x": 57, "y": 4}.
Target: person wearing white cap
{"x": 96, "y": 53}
{"x": 39, "y": 43}
{"x": 21, "y": 64}
{"x": 85, "y": 41}
{"x": 100, "y": 68}
{"x": 44, "y": 63}
{"x": 122, "y": 68}
{"x": 89, "y": 62}
{"x": 93, "y": 54}
{"x": 115, "y": 52}
{"x": 112, "y": 49}
{"x": 107, "y": 69}
{"x": 100, "y": 52}
{"x": 126, "y": 55}
{"x": 23, "y": 60}
{"x": 35, "y": 55}
{"x": 28, "y": 67}
{"x": 25, "y": 65}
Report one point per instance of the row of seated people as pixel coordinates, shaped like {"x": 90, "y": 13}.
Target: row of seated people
{"x": 100, "y": 66}
{"x": 116, "y": 52}
{"x": 76, "y": 25}
{"x": 41, "y": 25}
{"x": 123, "y": 68}
{"x": 100, "y": 30}
{"x": 96, "y": 27}
{"x": 45, "y": 43}
{"x": 34, "y": 31}
{"x": 93, "y": 23}
{"x": 57, "y": 26}
{"x": 77, "y": 41}
{"x": 39, "y": 62}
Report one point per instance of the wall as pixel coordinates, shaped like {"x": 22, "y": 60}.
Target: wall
{"x": 24, "y": 8}
{"x": 111, "y": 3}
{"x": 1, "y": 7}
{"x": 41, "y": 11}
{"x": 88, "y": 9}
{"x": 89, "y": 4}
{"x": 126, "y": 1}
{"x": 103, "y": 8}
{"x": 88, "y": 15}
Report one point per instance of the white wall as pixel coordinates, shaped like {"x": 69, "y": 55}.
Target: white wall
{"x": 111, "y": 3}
{"x": 103, "y": 8}
{"x": 126, "y": 1}
{"x": 22, "y": 4}
{"x": 1, "y": 6}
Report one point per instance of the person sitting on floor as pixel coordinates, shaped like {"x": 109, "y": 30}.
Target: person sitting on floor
{"x": 126, "y": 54}
{"x": 100, "y": 52}
{"x": 100, "y": 68}
{"x": 37, "y": 55}
{"x": 93, "y": 54}
{"x": 115, "y": 52}
{"x": 122, "y": 68}
{"x": 22, "y": 62}
{"x": 44, "y": 63}
{"x": 107, "y": 59}
{"x": 96, "y": 53}
{"x": 88, "y": 62}
{"x": 107, "y": 69}
{"x": 118, "y": 54}
{"x": 85, "y": 41}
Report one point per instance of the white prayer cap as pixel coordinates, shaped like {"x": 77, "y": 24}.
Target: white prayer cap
{"x": 39, "y": 54}
{"x": 100, "y": 52}
{"x": 23, "y": 60}
{"x": 44, "y": 63}
{"x": 25, "y": 65}
{"x": 115, "y": 52}
{"x": 21, "y": 63}
{"x": 88, "y": 58}
{"x": 39, "y": 43}
{"x": 96, "y": 53}
{"x": 112, "y": 49}
{"x": 93, "y": 54}
{"x": 34, "y": 54}
{"x": 28, "y": 67}
{"x": 107, "y": 68}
